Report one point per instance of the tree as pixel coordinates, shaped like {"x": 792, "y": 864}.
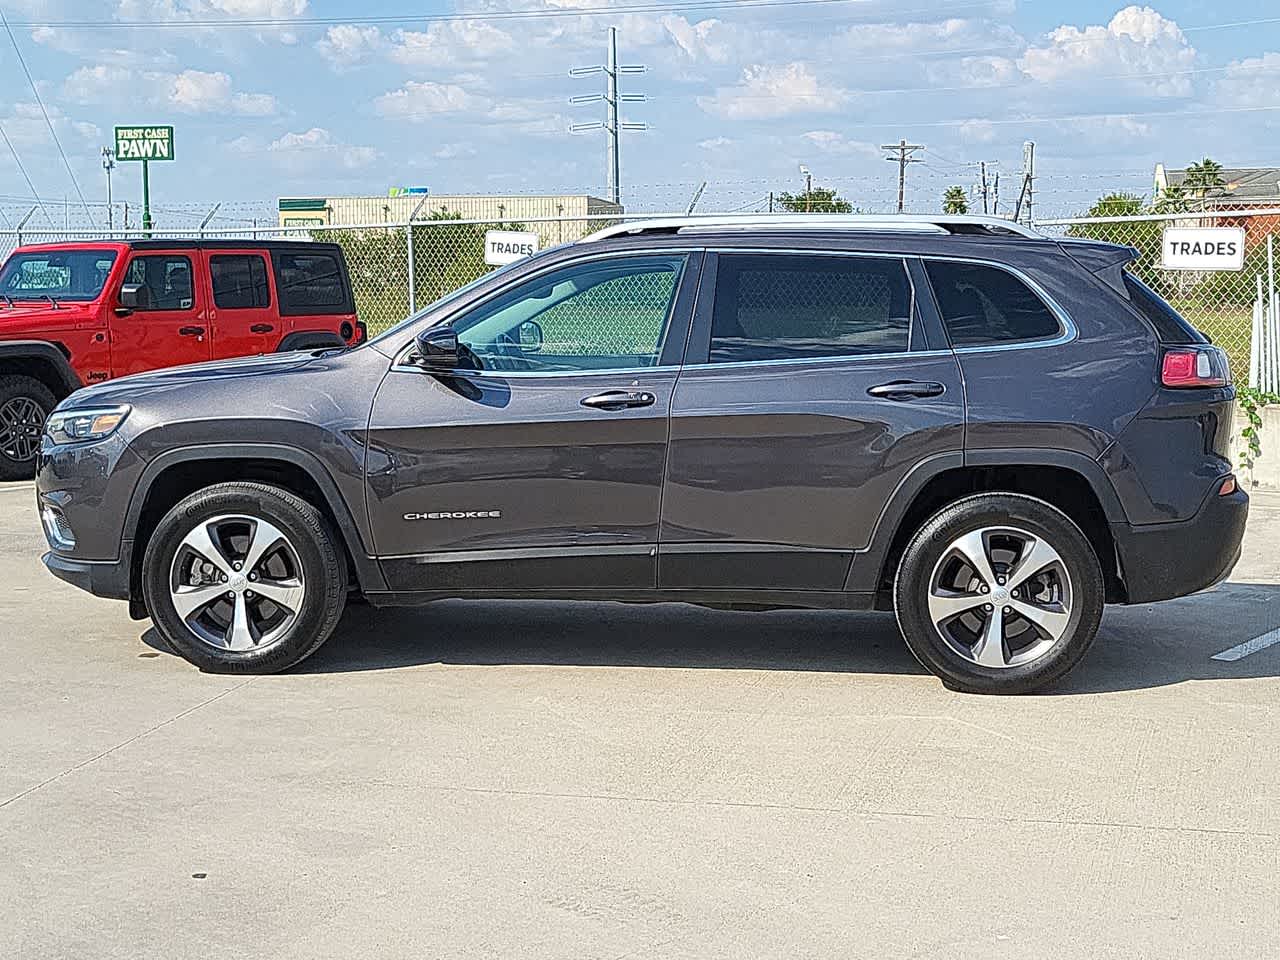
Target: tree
{"x": 815, "y": 200}
{"x": 955, "y": 201}
{"x": 1172, "y": 199}
{"x": 1203, "y": 177}
{"x": 1117, "y": 205}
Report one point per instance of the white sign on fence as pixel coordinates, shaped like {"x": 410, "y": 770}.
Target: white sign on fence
{"x": 1203, "y": 248}
{"x": 508, "y": 246}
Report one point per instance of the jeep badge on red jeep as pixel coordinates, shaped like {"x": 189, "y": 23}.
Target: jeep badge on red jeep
{"x": 73, "y": 314}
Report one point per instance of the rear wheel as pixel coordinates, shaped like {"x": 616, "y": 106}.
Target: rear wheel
{"x": 25, "y": 403}
{"x": 244, "y": 578}
{"x": 999, "y": 593}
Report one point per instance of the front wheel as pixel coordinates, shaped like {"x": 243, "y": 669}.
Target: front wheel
{"x": 25, "y": 403}
{"x": 999, "y": 593}
{"x": 244, "y": 578}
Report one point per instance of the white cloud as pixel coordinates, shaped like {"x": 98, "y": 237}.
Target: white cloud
{"x": 210, "y": 9}
{"x": 1253, "y": 82}
{"x": 716, "y": 143}
{"x": 317, "y": 146}
{"x": 421, "y": 100}
{"x": 451, "y": 42}
{"x": 707, "y": 40}
{"x": 191, "y": 91}
{"x": 347, "y": 45}
{"x": 976, "y": 131}
{"x": 26, "y": 127}
{"x": 836, "y": 144}
{"x": 452, "y": 151}
{"x": 774, "y": 91}
{"x": 1138, "y": 44}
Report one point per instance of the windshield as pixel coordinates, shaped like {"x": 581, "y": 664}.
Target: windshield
{"x": 447, "y": 298}
{"x": 57, "y": 274}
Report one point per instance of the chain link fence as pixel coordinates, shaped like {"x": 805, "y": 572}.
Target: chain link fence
{"x": 397, "y": 268}
{"x": 1222, "y": 304}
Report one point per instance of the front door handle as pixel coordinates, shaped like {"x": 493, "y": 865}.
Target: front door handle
{"x": 907, "y": 389}
{"x": 191, "y": 331}
{"x": 261, "y": 328}
{"x": 619, "y": 400}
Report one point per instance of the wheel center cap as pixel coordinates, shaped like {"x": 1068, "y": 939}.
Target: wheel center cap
{"x": 238, "y": 582}
{"x": 1000, "y": 595}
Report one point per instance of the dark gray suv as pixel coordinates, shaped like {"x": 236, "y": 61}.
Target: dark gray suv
{"x": 991, "y": 432}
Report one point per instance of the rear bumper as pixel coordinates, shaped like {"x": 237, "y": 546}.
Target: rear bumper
{"x": 1160, "y": 561}
{"x": 102, "y": 578}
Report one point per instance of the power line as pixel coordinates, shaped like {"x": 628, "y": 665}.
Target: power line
{"x": 49, "y": 123}
{"x": 23, "y": 170}
{"x": 653, "y": 6}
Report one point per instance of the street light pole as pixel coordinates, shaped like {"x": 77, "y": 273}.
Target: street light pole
{"x": 808, "y": 187}
{"x": 108, "y": 164}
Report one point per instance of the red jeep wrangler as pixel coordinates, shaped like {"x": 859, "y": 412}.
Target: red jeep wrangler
{"x": 73, "y": 314}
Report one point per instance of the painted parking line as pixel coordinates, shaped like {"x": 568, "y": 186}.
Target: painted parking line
{"x": 1242, "y": 650}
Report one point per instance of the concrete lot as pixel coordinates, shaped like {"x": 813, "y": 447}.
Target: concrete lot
{"x": 546, "y": 780}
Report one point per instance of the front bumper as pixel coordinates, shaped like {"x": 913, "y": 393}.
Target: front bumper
{"x": 1160, "y": 561}
{"x": 102, "y": 578}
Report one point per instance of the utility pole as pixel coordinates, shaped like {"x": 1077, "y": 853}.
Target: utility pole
{"x": 985, "y": 207}
{"x": 108, "y": 164}
{"x": 808, "y": 188}
{"x": 903, "y": 151}
{"x": 995, "y": 197}
{"x": 1026, "y": 194}
{"x": 612, "y": 126}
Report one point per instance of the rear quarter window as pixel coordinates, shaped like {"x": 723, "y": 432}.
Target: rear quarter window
{"x": 1169, "y": 325}
{"x": 311, "y": 283}
{"x": 982, "y": 305}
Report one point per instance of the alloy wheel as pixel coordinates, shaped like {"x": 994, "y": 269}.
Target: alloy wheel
{"x": 21, "y": 423}
{"x": 1000, "y": 597}
{"x": 236, "y": 582}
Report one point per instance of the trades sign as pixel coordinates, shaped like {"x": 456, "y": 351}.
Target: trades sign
{"x": 507, "y": 246}
{"x": 144, "y": 143}
{"x": 1202, "y": 248}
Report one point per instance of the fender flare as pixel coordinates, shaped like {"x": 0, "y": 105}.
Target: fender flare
{"x": 310, "y": 340}
{"x": 864, "y": 575}
{"x": 368, "y": 571}
{"x": 44, "y": 352}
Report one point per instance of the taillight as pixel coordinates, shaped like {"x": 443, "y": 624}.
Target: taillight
{"x": 1185, "y": 367}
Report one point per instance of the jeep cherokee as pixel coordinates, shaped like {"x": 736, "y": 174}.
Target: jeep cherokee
{"x": 989, "y": 431}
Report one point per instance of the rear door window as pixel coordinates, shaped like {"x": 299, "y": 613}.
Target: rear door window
{"x": 310, "y": 283}
{"x": 802, "y": 306}
{"x": 982, "y": 305}
{"x": 239, "y": 281}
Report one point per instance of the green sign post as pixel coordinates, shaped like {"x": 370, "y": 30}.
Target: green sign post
{"x": 144, "y": 144}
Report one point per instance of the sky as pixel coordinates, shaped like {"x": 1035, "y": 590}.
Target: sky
{"x": 277, "y": 98}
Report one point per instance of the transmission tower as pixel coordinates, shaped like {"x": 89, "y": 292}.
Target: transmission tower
{"x": 611, "y": 125}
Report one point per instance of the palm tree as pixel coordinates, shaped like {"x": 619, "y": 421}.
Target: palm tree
{"x": 1202, "y": 177}
{"x": 955, "y": 201}
{"x": 1172, "y": 199}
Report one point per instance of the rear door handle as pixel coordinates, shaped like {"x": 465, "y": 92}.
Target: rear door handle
{"x": 907, "y": 389}
{"x": 261, "y": 328}
{"x": 619, "y": 400}
{"x": 191, "y": 331}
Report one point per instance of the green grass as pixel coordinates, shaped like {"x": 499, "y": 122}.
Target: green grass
{"x": 1229, "y": 325}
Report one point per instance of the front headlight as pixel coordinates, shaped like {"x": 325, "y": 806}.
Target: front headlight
{"x": 77, "y": 426}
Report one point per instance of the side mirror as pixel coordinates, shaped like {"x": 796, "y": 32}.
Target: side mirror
{"x": 530, "y": 334}
{"x": 134, "y": 296}
{"x": 437, "y": 350}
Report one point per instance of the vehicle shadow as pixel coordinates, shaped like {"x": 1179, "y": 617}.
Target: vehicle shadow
{"x": 1137, "y": 647}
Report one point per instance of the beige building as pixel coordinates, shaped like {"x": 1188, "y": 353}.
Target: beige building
{"x": 398, "y": 207}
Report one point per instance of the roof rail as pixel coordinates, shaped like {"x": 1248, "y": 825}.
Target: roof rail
{"x": 904, "y": 222}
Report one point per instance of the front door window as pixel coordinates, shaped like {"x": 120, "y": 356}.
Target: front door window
{"x": 603, "y": 315}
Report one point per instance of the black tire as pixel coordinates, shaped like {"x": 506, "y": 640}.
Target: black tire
{"x": 313, "y": 549}
{"x": 931, "y": 554}
{"x": 18, "y": 393}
